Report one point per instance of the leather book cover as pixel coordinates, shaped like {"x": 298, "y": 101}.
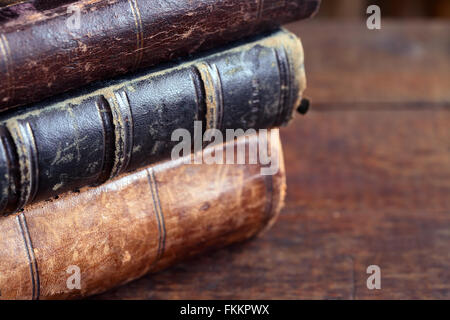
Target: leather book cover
{"x": 137, "y": 223}
{"x": 51, "y": 46}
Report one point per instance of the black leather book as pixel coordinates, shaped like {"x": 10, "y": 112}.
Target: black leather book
{"x": 93, "y": 135}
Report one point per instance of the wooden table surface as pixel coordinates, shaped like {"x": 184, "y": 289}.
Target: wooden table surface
{"x": 368, "y": 174}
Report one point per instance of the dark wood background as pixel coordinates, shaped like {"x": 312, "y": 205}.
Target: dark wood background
{"x": 389, "y": 8}
{"x": 368, "y": 179}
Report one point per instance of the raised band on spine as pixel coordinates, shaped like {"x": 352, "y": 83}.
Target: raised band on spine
{"x": 23, "y": 136}
{"x": 286, "y": 82}
{"x": 104, "y": 109}
{"x": 123, "y": 127}
{"x": 213, "y": 95}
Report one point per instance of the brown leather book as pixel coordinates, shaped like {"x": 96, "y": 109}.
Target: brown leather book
{"x": 138, "y": 223}
{"x": 48, "y": 47}
{"x": 8, "y": 2}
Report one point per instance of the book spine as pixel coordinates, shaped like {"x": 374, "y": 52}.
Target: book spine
{"x": 36, "y": 4}
{"x": 138, "y": 223}
{"x": 48, "y": 48}
{"x": 4, "y": 3}
{"x": 90, "y": 138}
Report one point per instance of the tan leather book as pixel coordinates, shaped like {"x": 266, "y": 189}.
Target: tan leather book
{"x": 87, "y": 242}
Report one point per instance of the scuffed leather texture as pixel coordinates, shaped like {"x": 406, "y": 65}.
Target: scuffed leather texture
{"x": 41, "y": 56}
{"x": 126, "y": 124}
{"x": 38, "y": 4}
{"x": 139, "y": 223}
{"x": 9, "y": 173}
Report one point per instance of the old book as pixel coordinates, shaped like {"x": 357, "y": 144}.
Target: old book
{"x": 7, "y": 2}
{"x": 126, "y": 124}
{"x": 47, "y": 47}
{"x": 4, "y": 3}
{"x": 139, "y": 223}
{"x": 37, "y": 4}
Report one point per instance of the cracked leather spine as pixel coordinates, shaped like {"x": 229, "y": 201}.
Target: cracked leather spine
{"x": 137, "y": 223}
{"x": 123, "y": 125}
{"x": 49, "y": 47}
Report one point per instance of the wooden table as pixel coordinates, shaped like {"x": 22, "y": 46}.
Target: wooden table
{"x": 368, "y": 179}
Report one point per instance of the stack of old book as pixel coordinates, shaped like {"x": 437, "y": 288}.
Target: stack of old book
{"x": 121, "y": 146}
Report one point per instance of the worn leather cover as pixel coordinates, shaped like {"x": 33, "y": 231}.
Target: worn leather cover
{"x": 43, "y": 52}
{"x": 138, "y": 223}
{"x": 126, "y": 124}
{"x": 4, "y": 3}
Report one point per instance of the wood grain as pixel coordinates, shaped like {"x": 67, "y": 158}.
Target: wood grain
{"x": 368, "y": 176}
{"x": 403, "y": 63}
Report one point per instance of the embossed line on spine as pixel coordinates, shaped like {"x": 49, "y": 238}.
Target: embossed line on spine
{"x": 34, "y": 271}
{"x": 213, "y": 94}
{"x": 23, "y": 137}
{"x": 139, "y": 32}
{"x": 159, "y": 213}
{"x": 265, "y": 7}
{"x": 259, "y": 10}
{"x": 7, "y": 60}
